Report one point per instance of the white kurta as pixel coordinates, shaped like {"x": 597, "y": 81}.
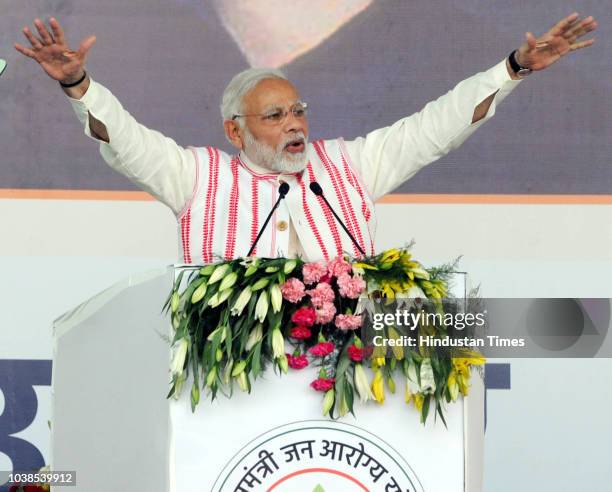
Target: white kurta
{"x": 378, "y": 163}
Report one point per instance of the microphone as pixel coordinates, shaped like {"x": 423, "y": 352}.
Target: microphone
{"x": 283, "y": 189}
{"x": 317, "y": 190}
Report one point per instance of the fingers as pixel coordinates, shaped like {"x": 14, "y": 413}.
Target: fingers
{"x": 86, "y": 45}
{"x": 25, "y": 51}
{"x": 58, "y": 32}
{"x": 583, "y": 44}
{"x": 34, "y": 41}
{"x": 563, "y": 25}
{"x": 580, "y": 30}
{"x": 532, "y": 42}
{"x": 44, "y": 34}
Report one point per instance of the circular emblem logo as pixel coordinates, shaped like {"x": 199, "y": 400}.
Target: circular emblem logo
{"x": 317, "y": 456}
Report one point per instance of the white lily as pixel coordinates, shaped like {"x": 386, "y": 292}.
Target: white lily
{"x": 242, "y": 301}
{"x": 412, "y": 382}
{"x": 261, "y": 308}
{"x": 260, "y": 284}
{"x": 276, "y": 296}
{"x": 211, "y": 377}
{"x": 254, "y": 337}
{"x": 199, "y": 293}
{"x": 219, "y": 298}
{"x": 221, "y": 329}
{"x": 227, "y": 371}
{"x": 238, "y": 368}
{"x": 362, "y": 384}
{"x": 283, "y": 363}
{"x": 328, "y": 401}
{"x": 208, "y": 269}
{"x": 228, "y": 281}
{"x": 343, "y": 408}
{"x": 178, "y": 356}
{"x": 289, "y": 266}
{"x": 278, "y": 343}
{"x": 195, "y": 394}
{"x": 243, "y": 381}
{"x": 428, "y": 383}
{"x": 174, "y": 303}
{"x": 178, "y": 386}
{"x": 219, "y": 273}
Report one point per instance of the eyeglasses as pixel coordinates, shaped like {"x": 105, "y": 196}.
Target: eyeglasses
{"x": 277, "y": 116}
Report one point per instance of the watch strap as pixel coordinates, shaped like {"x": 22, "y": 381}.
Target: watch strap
{"x": 516, "y": 67}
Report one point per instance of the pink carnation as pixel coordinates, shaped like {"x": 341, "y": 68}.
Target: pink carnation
{"x": 297, "y": 361}
{"x": 293, "y": 290}
{"x": 348, "y": 321}
{"x": 338, "y": 266}
{"x": 323, "y": 384}
{"x": 322, "y": 349}
{"x": 350, "y": 287}
{"x": 312, "y": 272}
{"x": 321, "y": 294}
{"x": 300, "y": 333}
{"x": 304, "y": 316}
{"x": 325, "y": 313}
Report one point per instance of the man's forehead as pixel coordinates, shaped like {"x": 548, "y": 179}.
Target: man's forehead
{"x": 271, "y": 93}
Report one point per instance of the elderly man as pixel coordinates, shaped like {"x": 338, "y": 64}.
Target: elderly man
{"x": 222, "y": 202}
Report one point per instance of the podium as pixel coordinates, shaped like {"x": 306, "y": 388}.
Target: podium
{"x": 113, "y": 425}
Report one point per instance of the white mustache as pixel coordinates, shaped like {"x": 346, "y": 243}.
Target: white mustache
{"x": 299, "y": 137}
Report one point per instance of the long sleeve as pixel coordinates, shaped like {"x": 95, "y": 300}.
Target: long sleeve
{"x": 155, "y": 163}
{"x": 387, "y": 157}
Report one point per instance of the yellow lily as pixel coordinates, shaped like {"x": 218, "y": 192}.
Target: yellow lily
{"x": 365, "y": 266}
{"x": 378, "y": 387}
{"x": 453, "y": 385}
{"x": 419, "y": 399}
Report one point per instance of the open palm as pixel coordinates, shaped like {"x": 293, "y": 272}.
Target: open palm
{"x": 561, "y": 39}
{"x": 52, "y": 52}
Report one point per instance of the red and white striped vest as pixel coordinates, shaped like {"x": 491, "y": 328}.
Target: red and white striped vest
{"x": 231, "y": 202}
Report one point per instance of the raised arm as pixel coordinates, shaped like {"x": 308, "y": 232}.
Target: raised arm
{"x": 149, "y": 159}
{"x": 387, "y": 157}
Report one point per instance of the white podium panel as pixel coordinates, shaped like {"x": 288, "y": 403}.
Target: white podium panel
{"x": 113, "y": 425}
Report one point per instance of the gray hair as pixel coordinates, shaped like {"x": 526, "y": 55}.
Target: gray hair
{"x": 240, "y": 85}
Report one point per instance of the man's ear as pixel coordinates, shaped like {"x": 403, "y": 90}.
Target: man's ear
{"x": 233, "y": 133}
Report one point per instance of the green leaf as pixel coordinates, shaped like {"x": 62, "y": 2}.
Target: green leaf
{"x": 440, "y": 412}
{"x": 171, "y": 392}
{"x": 343, "y": 364}
{"x": 425, "y": 411}
{"x": 318, "y": 488}
{"x": 175, "y": 288}
{"x": 349, "y": 394}
{"x": 256, "y": 361}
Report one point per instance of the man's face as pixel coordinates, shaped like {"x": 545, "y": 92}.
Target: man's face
{"x": 276, "y": 145}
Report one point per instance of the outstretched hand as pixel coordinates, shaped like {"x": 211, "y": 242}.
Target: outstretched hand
{"x": 53, "y": 54}
{"x": 561, "y": 39}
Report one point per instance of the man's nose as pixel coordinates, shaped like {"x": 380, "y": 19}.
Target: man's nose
{"x": 294, "y": 124}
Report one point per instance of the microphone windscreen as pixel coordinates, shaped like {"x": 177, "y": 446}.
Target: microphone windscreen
{"x": 283, "y": 189}
{"x": 316, "y": 188}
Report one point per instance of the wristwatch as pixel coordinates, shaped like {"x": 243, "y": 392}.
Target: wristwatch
{"x": 518, "y": 69}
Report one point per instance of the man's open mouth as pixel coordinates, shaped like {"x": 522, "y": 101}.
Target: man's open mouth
{"x": 295, "y": 146}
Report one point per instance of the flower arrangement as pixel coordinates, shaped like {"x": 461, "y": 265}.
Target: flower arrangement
{"x": 231, "y": 319}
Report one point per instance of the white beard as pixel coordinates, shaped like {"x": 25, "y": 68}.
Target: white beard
{"x": 275, "y": 159}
